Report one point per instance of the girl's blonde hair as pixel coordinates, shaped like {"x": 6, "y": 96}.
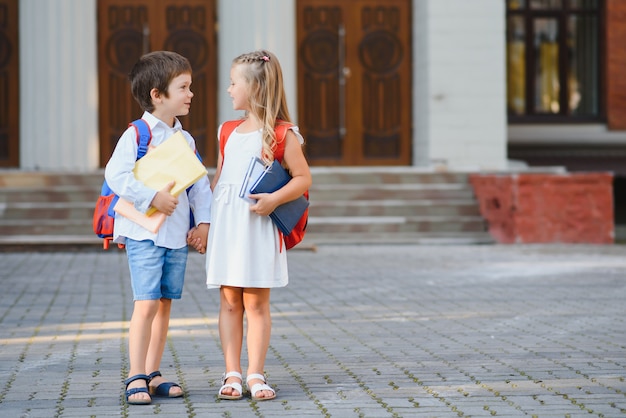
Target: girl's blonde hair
{"x": 266, "y": 94}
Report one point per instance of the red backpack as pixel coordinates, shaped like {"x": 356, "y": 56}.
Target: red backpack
{"x": 103, "y": 215}
{"x": 297, "y": 233}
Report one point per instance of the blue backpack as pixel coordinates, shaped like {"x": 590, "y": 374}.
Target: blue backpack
{"x": 104, "y": 215}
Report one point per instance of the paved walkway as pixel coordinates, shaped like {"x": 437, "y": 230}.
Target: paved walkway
{"x": 361, "y": 331}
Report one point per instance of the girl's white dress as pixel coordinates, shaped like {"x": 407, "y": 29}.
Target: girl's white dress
{"x": 243, "y": 249}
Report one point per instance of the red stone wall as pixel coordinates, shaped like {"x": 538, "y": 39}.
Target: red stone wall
{"x": 616, "y": 64}
{"x": 547, "y": 208}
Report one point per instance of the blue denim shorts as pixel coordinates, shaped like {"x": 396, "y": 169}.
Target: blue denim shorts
{"x": 155, "y": 272}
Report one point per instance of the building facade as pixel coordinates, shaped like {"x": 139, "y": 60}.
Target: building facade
{"x": 486, "y": 85}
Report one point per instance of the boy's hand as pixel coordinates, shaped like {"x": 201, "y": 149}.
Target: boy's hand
{"x": 163, "y": 201}
{"x": 197, "y": 237}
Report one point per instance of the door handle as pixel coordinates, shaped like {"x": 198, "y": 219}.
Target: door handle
{"x": 146, "y": 38}
{"x": 344, "y": 73}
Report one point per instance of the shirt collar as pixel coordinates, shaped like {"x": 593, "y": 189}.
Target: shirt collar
{"x": 153, "y": 121}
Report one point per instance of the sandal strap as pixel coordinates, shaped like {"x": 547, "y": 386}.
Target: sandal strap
{"x": 259, "y": 387}
{"x": 131, "y": 392}
{"x": 137, "y": 377}
{"x": 234, "y": 385}
{"x": 163, "y": 389}
{"x": 225, "y": 376}
{"x": 255, "y": 376}
{"x": 155, "y": 374}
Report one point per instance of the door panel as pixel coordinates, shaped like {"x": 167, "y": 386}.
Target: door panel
{"x": 9, "y": 85}
{"x": 129, "y": 28}
{"x": 354, "y": 81}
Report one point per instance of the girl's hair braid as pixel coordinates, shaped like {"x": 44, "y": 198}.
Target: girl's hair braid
{"x": 268, "y": 102}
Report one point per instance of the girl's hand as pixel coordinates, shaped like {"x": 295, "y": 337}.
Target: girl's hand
{"x": 300, "y": 181}
{"x": 265, "y": 203}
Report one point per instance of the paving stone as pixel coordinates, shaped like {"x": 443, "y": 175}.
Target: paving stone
{"x": 360, "y": 331}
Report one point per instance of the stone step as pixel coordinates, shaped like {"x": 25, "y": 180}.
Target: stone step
{"x": 348, "y": 205}
{"x": 383, "y": 175}
{"x": 395, "y": 207}
{"x": 36, "y": 179}
{"x": 47, "y": 226}
{"x": 356, "y": 192}
{"x": 311, "y": 239}
{"x": 324, "y": 224}
{"x": 44, "y": 195}
{"x": 389, "y": 224}
{"x": 318, "y": 192}
{"x": 321, "y": 175}
{"x": 398, "y": 207}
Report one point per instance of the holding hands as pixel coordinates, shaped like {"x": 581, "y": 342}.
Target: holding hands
{"x": 197, "y": 237}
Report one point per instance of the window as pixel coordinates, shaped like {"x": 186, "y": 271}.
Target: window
{"x": 553, "y": 60}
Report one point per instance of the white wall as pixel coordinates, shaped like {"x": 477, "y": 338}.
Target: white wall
{"x": 421, "y": 85}
{"x": 267, "y": 24}
{"x": 459, "y": 79}
{"x": 58, "y": 85}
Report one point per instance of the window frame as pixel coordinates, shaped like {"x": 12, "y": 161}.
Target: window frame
{"x": 561, "y": 15}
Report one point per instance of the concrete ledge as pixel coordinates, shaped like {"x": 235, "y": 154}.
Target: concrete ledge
{"x": 547, "y": 208}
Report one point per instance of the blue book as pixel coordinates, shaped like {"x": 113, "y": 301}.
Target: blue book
{"x": 287, "y": 215}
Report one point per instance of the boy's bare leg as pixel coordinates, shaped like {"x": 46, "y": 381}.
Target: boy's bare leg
{"x": 257, "y": 306}
{"x": 231, "y": 332}
{"x": 160, "y": 326}
{"x": 139, "y": 335}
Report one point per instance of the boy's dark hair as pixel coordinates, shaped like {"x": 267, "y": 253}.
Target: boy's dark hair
{"x": 155, "y": 70}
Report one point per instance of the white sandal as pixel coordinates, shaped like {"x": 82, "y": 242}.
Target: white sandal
{"x": 259, "y": 387}
{"x": 236, "y": 386}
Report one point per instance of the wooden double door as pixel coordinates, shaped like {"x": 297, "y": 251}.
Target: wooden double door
{"x": 128, "y": 29}
{"x": 9, "y": 84}
{"x": 353, "y": 69}
{"x": 354, "y": 81}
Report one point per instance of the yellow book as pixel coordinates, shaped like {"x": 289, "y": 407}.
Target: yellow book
{"x": 172, "y": 160}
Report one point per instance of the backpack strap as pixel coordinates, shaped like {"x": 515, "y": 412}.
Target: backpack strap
{"x": 280, "y": 130}
{"x": 144, "y": 136}
{"x": 227, "y": 128}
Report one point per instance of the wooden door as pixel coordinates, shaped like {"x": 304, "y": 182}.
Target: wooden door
{"x": 128, "y": 29}
{"x": 354, "y": 81}
{"x": 9, "y": 85}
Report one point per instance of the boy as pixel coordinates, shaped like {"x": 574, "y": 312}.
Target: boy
{"x": 160, "y": 82}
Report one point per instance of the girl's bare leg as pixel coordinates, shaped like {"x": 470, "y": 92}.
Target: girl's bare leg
{"x": 257, "y": 306}
{"x": 231, "y": 331}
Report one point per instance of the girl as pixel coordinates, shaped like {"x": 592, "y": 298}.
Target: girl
{"x": 245, "y": 255}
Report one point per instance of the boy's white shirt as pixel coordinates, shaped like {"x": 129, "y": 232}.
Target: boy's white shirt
{"x": 120, "y": 178}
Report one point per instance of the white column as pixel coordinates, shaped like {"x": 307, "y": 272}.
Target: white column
{"x": 58, "y": 85}
{"x": 245, "y": 26}
{"x": 459, "y": 84}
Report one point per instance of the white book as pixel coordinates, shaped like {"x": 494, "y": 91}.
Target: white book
{"x": 254, "y": 171}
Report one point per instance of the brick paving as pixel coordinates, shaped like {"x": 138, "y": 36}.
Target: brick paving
{"x": 361, "y": 331}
